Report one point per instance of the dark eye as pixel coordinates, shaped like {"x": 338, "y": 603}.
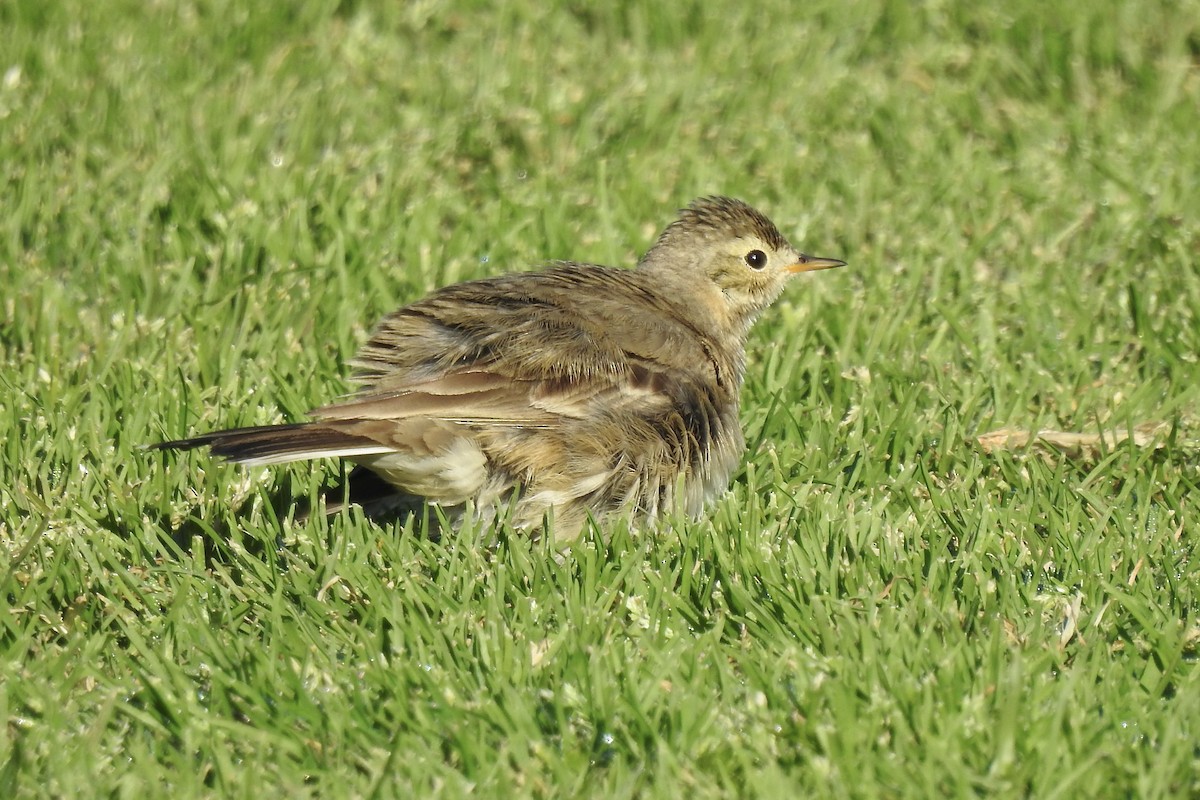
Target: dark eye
{"x": 756, "y": 259}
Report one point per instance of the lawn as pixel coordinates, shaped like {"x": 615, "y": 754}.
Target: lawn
{"x": 906, "y": 592}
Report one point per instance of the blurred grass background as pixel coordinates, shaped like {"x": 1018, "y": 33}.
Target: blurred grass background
{"x": 208, "y": 204}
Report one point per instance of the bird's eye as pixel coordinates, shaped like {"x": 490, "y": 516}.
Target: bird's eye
{"x": 756, "y": 259}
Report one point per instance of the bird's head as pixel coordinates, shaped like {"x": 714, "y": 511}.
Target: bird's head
{"x": 728, "y": 257}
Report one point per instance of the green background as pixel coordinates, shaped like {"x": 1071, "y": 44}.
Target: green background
{"x": 206, "y": 205}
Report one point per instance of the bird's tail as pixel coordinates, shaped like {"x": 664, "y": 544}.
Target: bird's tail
{"x": 280, "y": 444}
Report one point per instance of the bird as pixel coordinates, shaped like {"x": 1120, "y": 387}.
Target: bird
{"x": 559, "y": 395}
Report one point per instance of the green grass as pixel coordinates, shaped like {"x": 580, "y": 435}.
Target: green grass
{"x": 206, "y": 207}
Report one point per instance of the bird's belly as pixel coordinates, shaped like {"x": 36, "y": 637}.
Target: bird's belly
{"x": 448, "y": 477}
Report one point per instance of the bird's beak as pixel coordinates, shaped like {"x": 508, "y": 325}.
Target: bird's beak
{"x": 810, "y": 263}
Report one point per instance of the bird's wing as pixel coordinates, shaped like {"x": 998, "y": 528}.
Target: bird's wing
{"x": 446, "y": 438}
{"x": 489, "y": 397}
{"x": 469, "y": 396}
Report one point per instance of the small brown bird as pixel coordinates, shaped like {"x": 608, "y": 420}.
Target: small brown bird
{"x": 573, "y": 391}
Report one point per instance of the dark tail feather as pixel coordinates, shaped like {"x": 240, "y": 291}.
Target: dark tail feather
{"x": 274, "y": 443}
{"x": 379, "y": 499}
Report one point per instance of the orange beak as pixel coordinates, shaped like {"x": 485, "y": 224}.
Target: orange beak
{"x": 810, "y": 263}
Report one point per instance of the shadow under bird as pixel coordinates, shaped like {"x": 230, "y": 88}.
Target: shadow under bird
{"x": 575, "y": 391}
